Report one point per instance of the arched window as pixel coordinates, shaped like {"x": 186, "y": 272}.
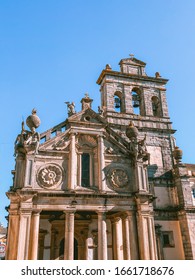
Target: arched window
{"x": 156, "y": 106}
{"x": 118, "y": 102}
{"x": 136, "y": 101}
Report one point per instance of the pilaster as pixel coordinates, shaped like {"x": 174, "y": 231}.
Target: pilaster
{"x": 72, "y": 163}
{"x": 24, "y": 234}
{"x": 101, "y": 163}
{"x": 12, "y": 236}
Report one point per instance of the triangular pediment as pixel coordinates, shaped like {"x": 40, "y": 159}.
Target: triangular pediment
{"x": 132, "y": 61}
{"x": 87, "y": 116}
{"x": 87, "y": 125}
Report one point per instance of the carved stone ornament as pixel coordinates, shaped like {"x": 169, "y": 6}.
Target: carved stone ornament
{"x": 118, "y": 177}
{"x": 49, "y": 176}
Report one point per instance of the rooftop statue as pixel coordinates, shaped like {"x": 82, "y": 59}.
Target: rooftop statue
{"x": 71, "y": 108}
{"x": 28, "y": 140}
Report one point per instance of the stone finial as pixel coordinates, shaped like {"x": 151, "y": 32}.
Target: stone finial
{"x": 33, "y": 120}
{"x": 86, "y": 102}
{"x": 131, "y": 55}
{"x": 131, "y": 131}
{"x": 157, "y": 75}
{"x": 108, "y": 67}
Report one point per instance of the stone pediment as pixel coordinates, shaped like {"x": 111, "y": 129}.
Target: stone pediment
{"x": 88, "y": 116}
{"x": 132, "y": 61}
{"x": 87, "y": 119}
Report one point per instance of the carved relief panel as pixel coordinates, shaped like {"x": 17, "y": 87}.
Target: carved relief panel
{"x": 119, "y": 177}
{"x": 50, "y": 176}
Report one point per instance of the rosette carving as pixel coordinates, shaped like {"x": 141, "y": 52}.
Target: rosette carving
{"x": 118, "y": 177}
{"x": 49, "y": 176}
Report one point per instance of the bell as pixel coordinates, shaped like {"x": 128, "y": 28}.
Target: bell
{"x": 117, "y": 102}
{"x": 136, "y": 104}
{"x": 135, "y": 98}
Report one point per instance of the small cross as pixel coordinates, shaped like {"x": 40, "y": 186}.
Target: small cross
{"x": 131, "y": 55}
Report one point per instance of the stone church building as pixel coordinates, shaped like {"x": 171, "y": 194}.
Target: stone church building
{"x": 104, "y": 185}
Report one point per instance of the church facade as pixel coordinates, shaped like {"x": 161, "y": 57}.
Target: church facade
{"x": 104, "y": 185}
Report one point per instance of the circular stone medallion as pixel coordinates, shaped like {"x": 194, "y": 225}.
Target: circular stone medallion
{"x": 49, "y": 176}
{"x": 118, "y": 177}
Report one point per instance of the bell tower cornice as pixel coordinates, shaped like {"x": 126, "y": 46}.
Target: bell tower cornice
{"x": 110, "y": 73}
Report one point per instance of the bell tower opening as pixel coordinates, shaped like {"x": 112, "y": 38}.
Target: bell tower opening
{"x": 118, "y": 106}
{"x": 156, "y": 107}
{"x": 136, "y": 100}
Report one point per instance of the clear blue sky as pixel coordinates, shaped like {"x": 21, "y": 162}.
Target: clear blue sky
{"x": 52, "y": 51}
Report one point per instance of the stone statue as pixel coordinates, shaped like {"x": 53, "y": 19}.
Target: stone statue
{"x": 139, "y": 149}
{"x": 20, "y": 139}
{"x": 33, "y": 139}
{"x": 28, "y": 140}
{"x": 71, "y": 108}
{"x": 142, "y": 150}
{"x": 100, "y": 111}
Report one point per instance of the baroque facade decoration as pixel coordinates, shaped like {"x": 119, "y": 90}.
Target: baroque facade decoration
{"x": 104, "y": 185}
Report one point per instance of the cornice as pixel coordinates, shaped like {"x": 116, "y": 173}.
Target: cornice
{"x": 127, "y": 75}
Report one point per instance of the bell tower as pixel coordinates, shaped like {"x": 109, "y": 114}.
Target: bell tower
{"x": 131, "y": 88}
{"x": 131, "y": 95}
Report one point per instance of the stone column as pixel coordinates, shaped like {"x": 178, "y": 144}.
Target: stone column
{"x": 72, "y": 163}
{"x": 24, "y": 234}
{"x": 34, "y": 236}
{"x": 54, "y": 252}
{"x": 102, "y": 236}
{"x": 12, "y": 236}
{"x": 126, "y": 238}
{"x": 115, "y": 238}
{"x": 42, "y": 235}
{"x": 69, "y": 236}
{"x": 133, "y": 235}
{"x": 152, "y": 239}
{"x": 101, "y": 164}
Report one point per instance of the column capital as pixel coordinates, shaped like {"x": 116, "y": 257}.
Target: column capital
{"x": 25, "y": 212}
{"x": 70, "y": 211}
{"x": 13, "y": 212}
{"x": 101, "y": 136}
{"x": 36, "y": 211}
{"x": 126, "y": 214}
{"x": 115, "y": 219}
{"x": 101, "y": 211}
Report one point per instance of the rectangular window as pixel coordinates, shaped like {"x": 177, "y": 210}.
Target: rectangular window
{"x": 168, "y": 240}
{"x": 85, "y": 173}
